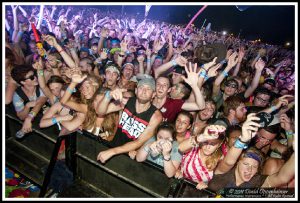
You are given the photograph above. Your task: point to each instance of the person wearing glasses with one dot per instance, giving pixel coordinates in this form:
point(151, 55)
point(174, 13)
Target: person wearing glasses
point(201, 155)
point(28, 98)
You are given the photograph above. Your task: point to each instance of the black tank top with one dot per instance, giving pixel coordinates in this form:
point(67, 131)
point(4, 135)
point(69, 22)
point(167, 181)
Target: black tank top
point(131, 124)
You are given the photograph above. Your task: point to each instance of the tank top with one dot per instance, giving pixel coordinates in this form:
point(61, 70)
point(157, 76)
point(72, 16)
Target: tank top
point(132, 124)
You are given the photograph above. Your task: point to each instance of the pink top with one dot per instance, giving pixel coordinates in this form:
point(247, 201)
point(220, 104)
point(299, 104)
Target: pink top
point(193, 169)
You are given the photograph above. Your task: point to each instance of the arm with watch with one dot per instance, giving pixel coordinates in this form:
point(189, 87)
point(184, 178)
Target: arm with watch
point(249, 129)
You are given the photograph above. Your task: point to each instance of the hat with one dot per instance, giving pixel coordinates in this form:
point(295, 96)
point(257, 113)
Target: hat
point(113, 68)
point(147, 81)
point(179, 69)
point(84, 49)
point(208, 52)
point(270, 81)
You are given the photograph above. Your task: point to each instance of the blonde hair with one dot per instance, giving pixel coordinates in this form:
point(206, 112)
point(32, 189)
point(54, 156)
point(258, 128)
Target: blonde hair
point(213, 160)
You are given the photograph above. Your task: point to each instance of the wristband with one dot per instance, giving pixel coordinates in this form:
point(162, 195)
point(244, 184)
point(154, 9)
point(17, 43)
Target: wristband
point(32, 114)
point(41, 73)
point(146, 149)
point(273, 108)
point(167, 159)
point(71, 91)
point(289, 134)
point(240, 145)
point(206, 78)
point(174, 63)
point(202, 74)
point(54, 121)
point(107, 95)
point(225, 73)
point(148, 60)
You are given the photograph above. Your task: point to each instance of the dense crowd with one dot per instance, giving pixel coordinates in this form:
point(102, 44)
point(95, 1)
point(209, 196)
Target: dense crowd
point(212, 108)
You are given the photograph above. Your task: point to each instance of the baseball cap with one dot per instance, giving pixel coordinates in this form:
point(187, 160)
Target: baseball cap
point(270, 81)
point(147, 81)
point(179, 69)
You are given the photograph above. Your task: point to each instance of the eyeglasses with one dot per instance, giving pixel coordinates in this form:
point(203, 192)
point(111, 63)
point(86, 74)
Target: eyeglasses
point(261, 100)
point(263, 138)
point(231, 85)
point(30, 77)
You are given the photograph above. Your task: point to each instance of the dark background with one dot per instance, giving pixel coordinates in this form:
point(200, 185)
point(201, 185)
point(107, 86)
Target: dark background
point(273, 24)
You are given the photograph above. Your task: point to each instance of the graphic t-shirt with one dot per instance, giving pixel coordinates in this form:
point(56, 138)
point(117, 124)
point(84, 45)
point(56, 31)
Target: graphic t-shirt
point(132, 124)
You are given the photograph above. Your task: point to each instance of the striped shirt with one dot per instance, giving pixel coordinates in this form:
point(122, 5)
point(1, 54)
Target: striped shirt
point(193, 168)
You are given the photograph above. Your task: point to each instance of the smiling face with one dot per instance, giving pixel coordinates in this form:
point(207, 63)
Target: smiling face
point(207, 112)
point(162, 87)
point(87, 90)
point(30, 80)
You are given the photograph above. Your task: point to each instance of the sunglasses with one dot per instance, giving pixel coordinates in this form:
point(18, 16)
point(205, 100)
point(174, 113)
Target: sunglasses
point(30, 77)
point(232, 85)
point(209, 143)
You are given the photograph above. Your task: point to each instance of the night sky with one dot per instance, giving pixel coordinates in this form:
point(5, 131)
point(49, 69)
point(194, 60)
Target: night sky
point(272, 24)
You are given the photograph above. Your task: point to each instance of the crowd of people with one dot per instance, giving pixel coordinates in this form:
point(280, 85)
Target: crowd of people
point(214, 109)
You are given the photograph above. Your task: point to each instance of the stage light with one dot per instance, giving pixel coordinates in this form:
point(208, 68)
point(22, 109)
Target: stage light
point(224, 33)
point(287, 44)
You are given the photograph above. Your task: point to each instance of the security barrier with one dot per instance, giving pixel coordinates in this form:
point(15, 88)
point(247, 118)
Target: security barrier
point(34, 156)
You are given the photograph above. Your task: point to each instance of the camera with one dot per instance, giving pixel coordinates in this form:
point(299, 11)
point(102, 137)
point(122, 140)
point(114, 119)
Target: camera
point(264, 119)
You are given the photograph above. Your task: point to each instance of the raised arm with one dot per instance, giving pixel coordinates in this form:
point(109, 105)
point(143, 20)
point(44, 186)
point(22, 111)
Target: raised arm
point(232, 61)
point(192, 80)
point(52, 42)
point(163, 68)
point(249, 129)
point(259, 66)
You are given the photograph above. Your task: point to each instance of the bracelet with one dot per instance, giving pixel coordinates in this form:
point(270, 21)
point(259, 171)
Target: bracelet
point(107, 95)
point(32, 114)
point(147, 149)
point(225, 73)
point(148, 60)
point(167, 159)
point(71, 91)
point(203, 74)
point(289, 134)
point(41, 72)
point(273, 108)
point(54, 121)
point(174, 63)
point(240, 145)
point(193, 141)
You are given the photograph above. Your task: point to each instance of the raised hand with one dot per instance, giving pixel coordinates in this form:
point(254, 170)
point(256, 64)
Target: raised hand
point(250, 127)
point(50, 40)
point(78, 78)
point(211, 132)
point(117, 94)
point(241, 54)
point(210, 64)
point(38, 65)
point(213, 71)
point(285, 122)
point(283, 101)
point(180, 60)
point(233, 59)
point(124, 45)
point(192, 75)
point(260, 64)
